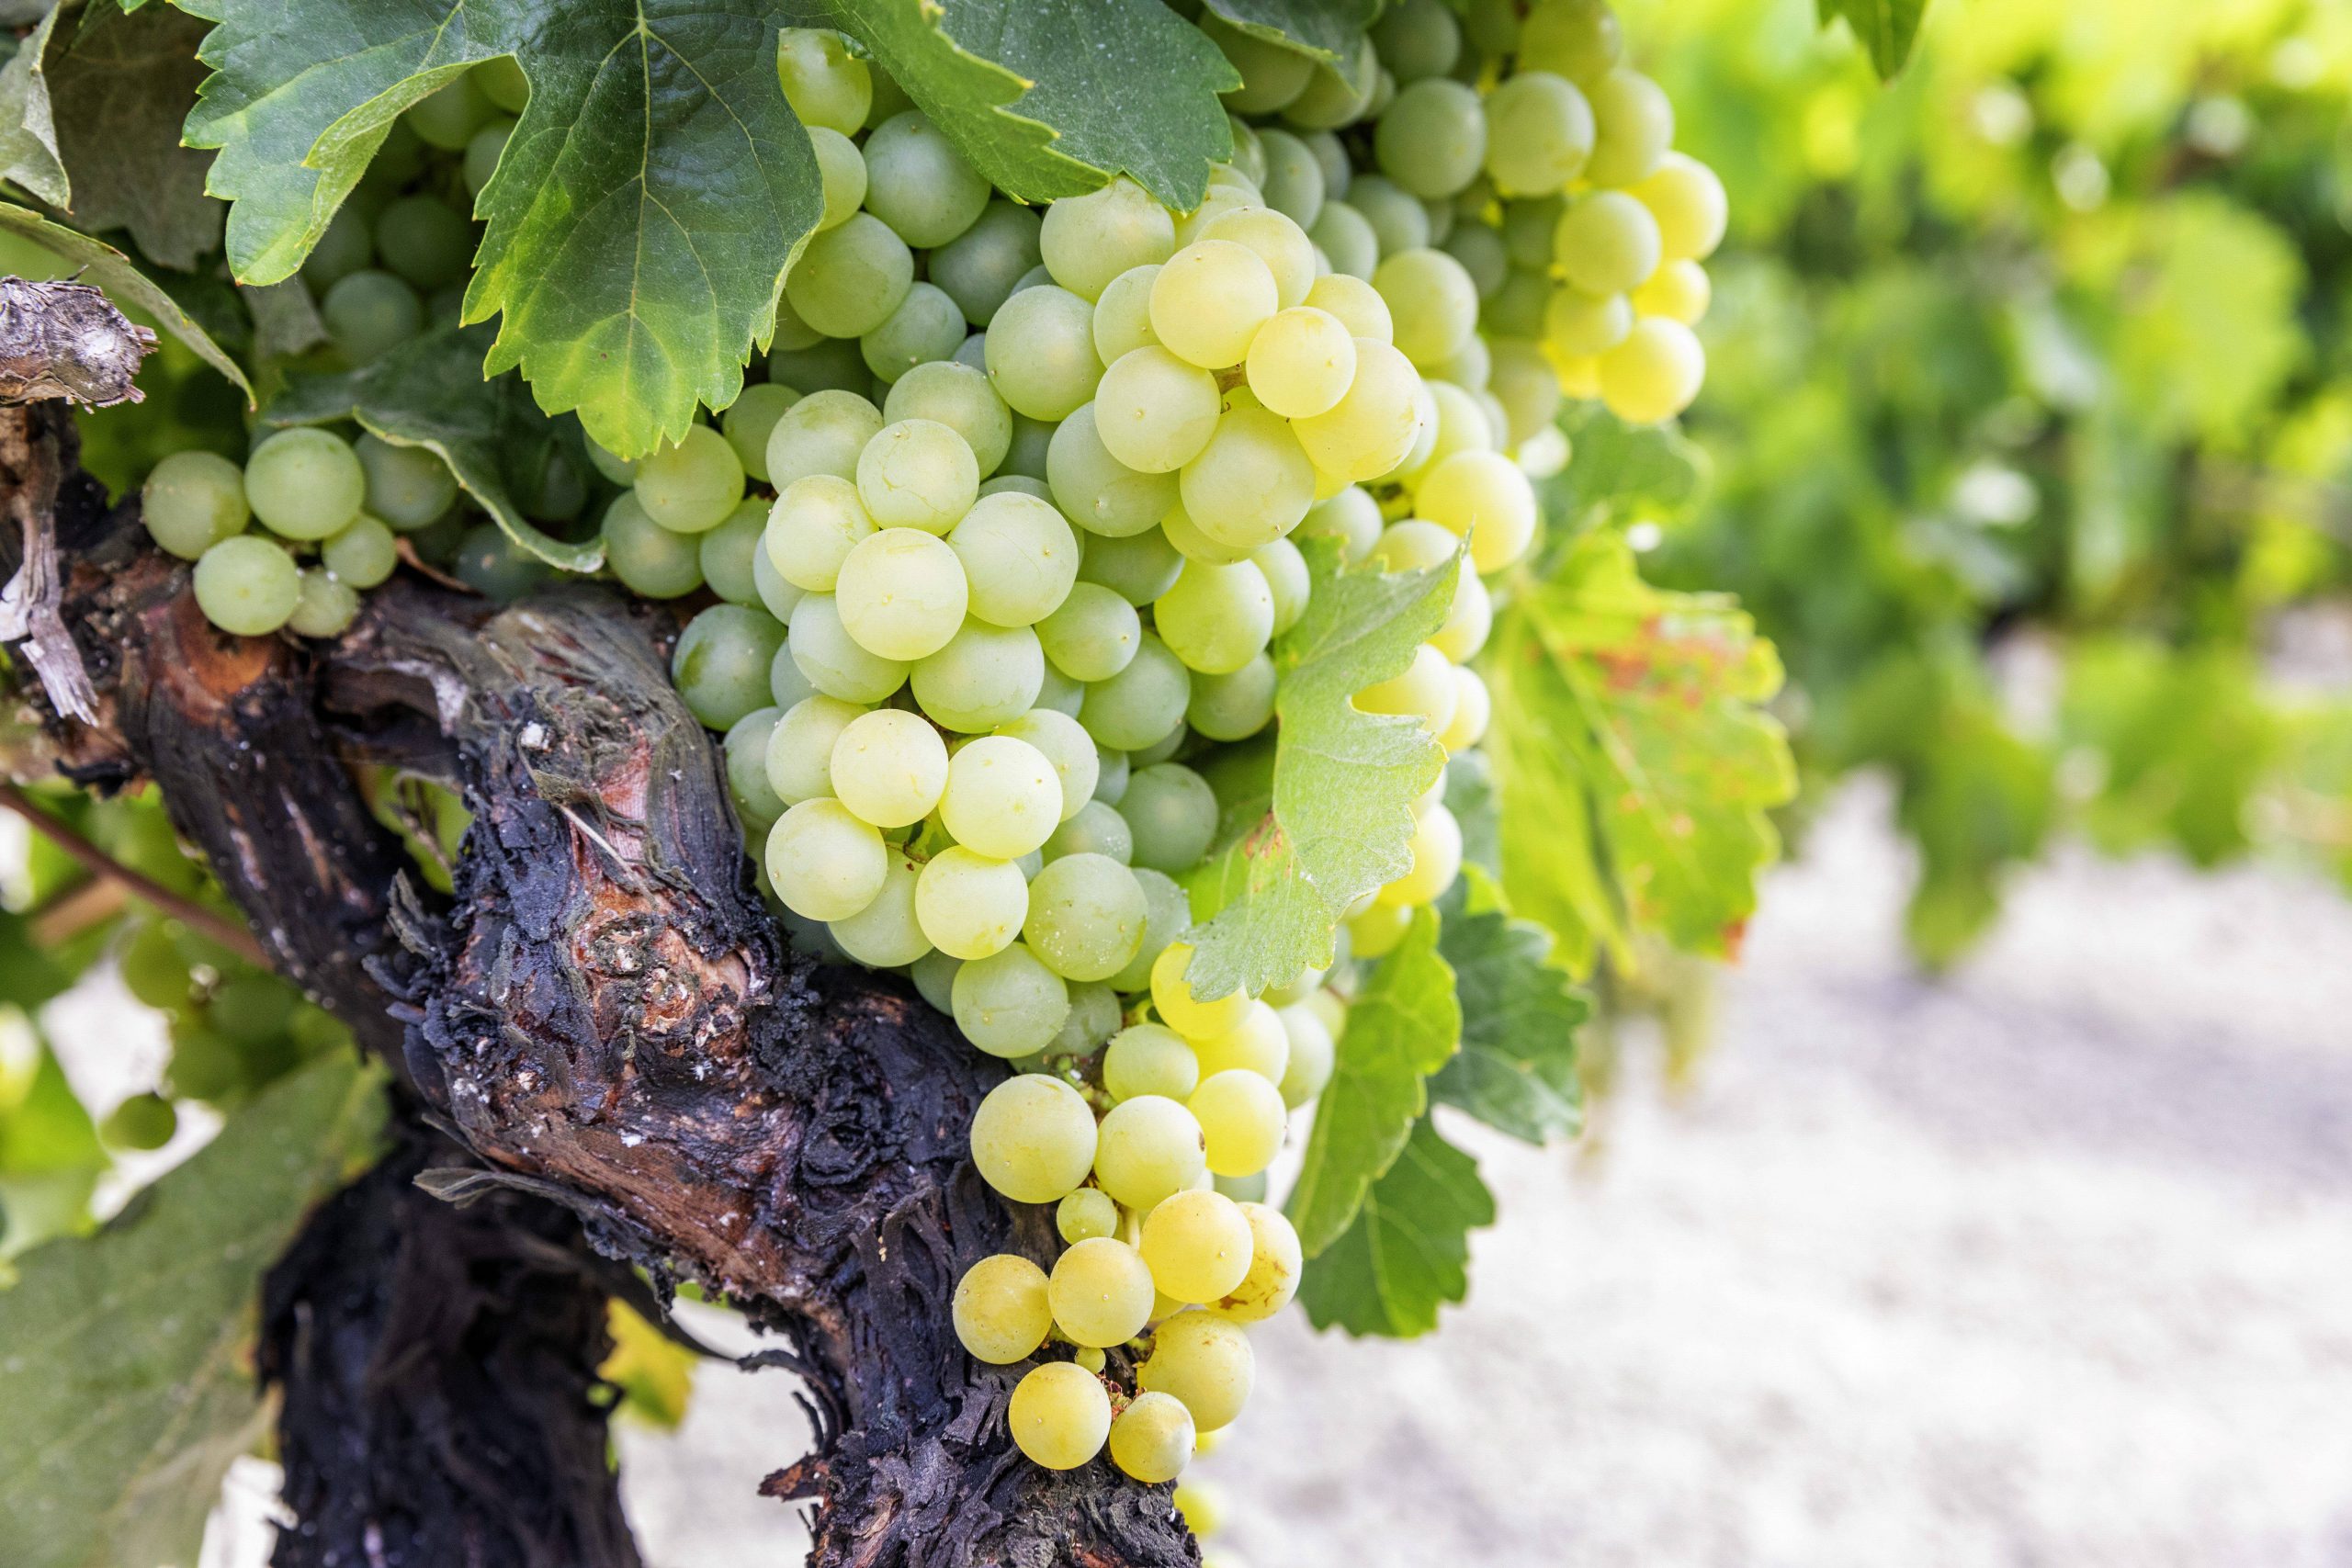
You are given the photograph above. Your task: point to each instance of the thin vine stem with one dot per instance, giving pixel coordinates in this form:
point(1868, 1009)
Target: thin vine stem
point(83, 852)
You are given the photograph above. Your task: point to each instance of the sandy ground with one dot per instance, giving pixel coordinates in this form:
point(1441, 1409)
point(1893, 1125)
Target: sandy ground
point(2050, 1263)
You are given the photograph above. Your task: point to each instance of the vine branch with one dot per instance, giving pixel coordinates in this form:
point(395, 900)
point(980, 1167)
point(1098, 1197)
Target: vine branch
point(227, 933)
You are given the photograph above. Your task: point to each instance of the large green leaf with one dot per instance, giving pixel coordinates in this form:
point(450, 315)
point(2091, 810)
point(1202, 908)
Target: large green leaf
point(1327, 30)
point(1401, 1028)
point(124, 1356)
point(130, 289)
point(429, 392)
point(29, 153)
point(1333, 816)
point(1517, 1067)
point(50, 1154)
point(1886, 28)
point(1408, 1251)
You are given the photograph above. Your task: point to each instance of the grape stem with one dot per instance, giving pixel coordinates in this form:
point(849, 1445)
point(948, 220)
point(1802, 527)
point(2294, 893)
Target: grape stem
point(138, 884)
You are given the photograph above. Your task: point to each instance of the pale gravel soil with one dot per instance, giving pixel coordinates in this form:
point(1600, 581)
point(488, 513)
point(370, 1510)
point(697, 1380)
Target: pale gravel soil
point(2048, 1263)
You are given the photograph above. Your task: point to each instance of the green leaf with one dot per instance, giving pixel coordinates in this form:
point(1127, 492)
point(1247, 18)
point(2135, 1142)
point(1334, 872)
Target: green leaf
point(1334, 815)
point(1408, 1250)
point(1517, 1067)
point(124, 1356)
point(1886, 28)
point(120, 87)
point(29, 153)
point(1624, 473)
point(124, 283)
point(1049, 98)
point(429, 392)
point(50, 1154)
point(1327, 30)
point(1402, 1027)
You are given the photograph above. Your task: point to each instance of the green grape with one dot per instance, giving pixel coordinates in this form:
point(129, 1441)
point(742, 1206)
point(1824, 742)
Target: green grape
point(1467, 622)
point(1216, 618)
point(1276, 1262)
point(1271, 74)
point(1236, 705)
point(1018, 556)
point(1578, 325)
point(344, 249)
point(503, 83)
point(408, 487)
point(1209, 301)
point(1333, 99)
point(322, 607)
point(363, 555)
point(1033, 1138)
point(1123, 314)
point(1461, 425)
point(1148, 1148)
point(247, 585)
point(1486, 497)
point(841, 175)
point(1577, 39)
point(970, 905)
point(1251, 483)
point(1425, 690)
point(1441, 216)
point(984, 677)
point(918, 184)
point(900, 594)
point(648, 559)
point(1374, 933)
point(1540, 134)
point(1331, 155)
point(1223, 197)
point(447, 118)
point(768, 587)
point(1040, 352)
point(1058, 692)
point(1204, 1361)
point(824, 863)
point(192, 500)
point(1307, 1067)
point(1295, 185)
point(1086, 917)
point(1400, 222)
point(423, 242)
point(1473, 711)
point(926, 326)
point(726, 553)
point(305, 483)
point(979, 267)
point(1085, 1214)
point(1160, 749)
point(1516, 308)
point(1196, 1245)
point(152, 969)
point(1152, 1438)
point(1167, 914)
point(369, 312)
point(1196, 545)
point(620, 471)
point(1064, 743)
point(1678, 290)
point(1093, 634)
point(1257, 1044)
point(1347, 239)
point(694, 486)
point(1142, 702)
point(822, 433)
point(1003, 798)
point(1240, 1117)
point(752, 419)
point(824, 82)
point(1436, 848)
point(849, 278)
point(1059, 1415)
point(1301, 362)
point(1525, 384)
point(1093, 1018)
point(720, 665)
point(1031, 437)
point(800, 749)
point(1635, 125)
point(955, 395)
point(1153, 412)
point(1652, 375)
point(1001, 1311)
point(1097, 492)
point(1191, 1016)
point(918, 473)
point(1087, 241)
point(1100, 1292)
point(1352, 517)
point(1607, 243)
point(1149, 1058)
point(1480, 250)
point(146, 1122)
point(1285, 569)
point(1173, 815)
point(1417, 38)
point(888, 767)
point(1095, 829)
point(1371, 429)
point(1138, 569)
point(835, 662)
point(1431, 300)
point(935, 972)
point(823, 365)
point(1009, 1003)
point(1432, 139)
point(745, 752)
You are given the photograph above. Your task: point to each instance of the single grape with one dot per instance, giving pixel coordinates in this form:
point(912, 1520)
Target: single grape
point(1064, 742)
point(1149, 1058)
point(1089, 240)
point(1209, 301)
point(363, 555)
point(1190, 1016)
point(1374, 933)
point(1607, 243)
point(888, 767)
point(1086, 917)
point(1149, 1146)
point(1167, 914)
point(979, 267)
point(408, 487)
point(886, 932)
point(1041, 354)
point(1307, 1065)
point(147, 1122)
point(934, 976)
point(918, 184)
point(800, 749)
point(1154, 413)
point(1019, 557)
point(985, 676)
point(1436, 848)
point(926, 327)
point(1002, 799)
point(968, 905)
point(849, 278)
point(1086, 1213)
point(720, 665)
point(901, 593)
point(1276, 1261)
point(1141, 702)
point(745, 752)
point(1369, 431)
point(1400, 222)
point(1001, 1311)
point(1033, 1138)
point(822, 433)
point(192, 500)
point(1058, 692)
point(812, 528)
point(247, 585)
point(322, 607)
point(1432, 139)
point(1100, 1292)
point(1480, 250)
point(305, 483)
point(694, 486)
point(752, 419)
point(1351, 518)
point(1430, 299)
point(1206, 1361)
point(1097, 492)
point(1251, 483)
point(1216, 618)
point(1173, 815)
point(820, 363)
point(1473, 711)
point(650, 559)
point(1196, 1245)
point(1093, 634)
point(1138, 569)
point(1097, 828)
point(424, 242)
point(835, 662)
point(825, 863)
point(1152, 1438)
point(1281, 244)
point(1240, 1117)
point(1257, 1044)
point(1417, 38)
point(1301, 362)
point(841, 175)
point(1346, 238)
point(1540, 133)
point(1486, 497)
point(342, 249)
point(728, 552)
point(1635, 121)
point(825, 83)
point(960, 397)
point(1059, 1415)
point(1234, 707)
point(1654, 374)
point(1424, 691)
point(1295, 183)
point(1271, 74)
point(1009, 1003)
point(1578, 38)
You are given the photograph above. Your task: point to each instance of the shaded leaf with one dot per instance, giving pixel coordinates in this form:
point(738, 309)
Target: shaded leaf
point(1885, 28)
point(120, 86)
point(1517, 1067)
point(1327, 29)
point(124, 283)
point(1407, 1252)
point(29, 153)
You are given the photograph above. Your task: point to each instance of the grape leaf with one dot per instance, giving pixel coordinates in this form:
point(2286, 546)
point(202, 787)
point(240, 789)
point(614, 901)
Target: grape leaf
point(1624, 473)
point(102, 265)
point(1885, 28)
point(1047, 97)
point(120, 87)
point(1327, 30)
point(1407, 1252)
point(1402, 1027)
point(429, 392)
point(29, 154)
point(1633, 764)
point(124, 1356)
point(1334, 815)
point(1517, 1067)
point(50, 1154)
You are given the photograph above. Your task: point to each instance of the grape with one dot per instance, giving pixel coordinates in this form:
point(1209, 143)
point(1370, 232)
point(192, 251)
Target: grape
point(1059, 1415)
point(1026, 455)
point(247, 585)
point(745, 752)
point(648, 559)
point(305, 483)
point(1652, 375)
point(1400, 222)
point(1033, 1138)
point(1540, 133)
point(1257, 1044)
point(1417, 38)
point(1086, 1213)
point(1485, 496)
point(1376, 932)
point(812, 528)
point(1437, 859)
point(888, 767)
point(322, 607)
point(1167, 914)
point(192, 500)
point(1138, 569)
point(1152, 1438)
point(1216, 618)
point(1578, 38)
point(825, 863)
point(1019, 557)
point(720, 666)
point(1467, 622)
point(1678, 290)
point(1086, 917)
point(1003, 798)
point(918, 183)
point(1188, 1015)
point(1473, 711)
point(1196, 1245)
point(1149, 1058)
point(1096, 490)
point(1347, 239)
point(935, 975)
point(885, 934)
point(1009, 1003)
point(1063, 742)
point(1371, 429)
point(1480, 250)
point(363, 555)
point(1350, 517)
point(1295, 185)
point(1251, 483)
point(926, 327)
point(825, 83)
point(985, 676)
point(694, 486)
point(820, 364)
point(1431, 300)
point(1424, 691)
point(1173, 815)
point(900, 594)
point(493, 564)
point(968, 905)
point(1202, 1507)
point(1160, 749)
point(1276, 1261)
point(1148, 1148)
point(1285, 569)
point(1302, 361)
point(835, 662)
point(146, 1122)
point(1087, 241)
point(1271, 74)
point(422, 241)
point(1432, 139)
point(1141, 702)
point(344, 249)
point(1040, 352)
point(1059, 694)
point(1607, 243)
point(1123, 315)
point(1333, 98)
point(1224, 195)
point(1516, 310)
point(1096, 828)
point(1101, 1292)
point(1234, 707)
point(1093, 635)
point(1307, 1067)
point(1093, 1018)
point(1154, 413)
point(1461, 425)
point(1577, 324)
point(1001, 1311)
point(800, 749)
point(840, 174)
point(1204, 1361)
point(1279, 242)
point(849, 278)
point(728, 552)
point(960, 397)
point(1240, 1115)
point(1635, 121)
point(822, 433)
point(979, 267)
point(1210, 299)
